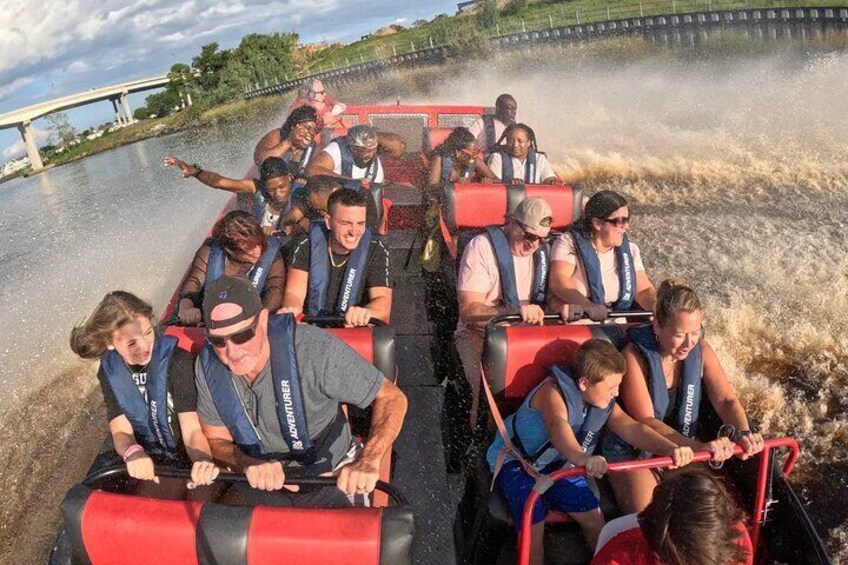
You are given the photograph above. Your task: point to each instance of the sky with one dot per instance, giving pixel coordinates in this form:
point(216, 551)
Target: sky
point(50, 49)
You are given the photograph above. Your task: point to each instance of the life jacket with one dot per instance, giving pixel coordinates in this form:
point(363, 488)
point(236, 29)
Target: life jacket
point(291, 411)
point(506, 270)
point(585, 422)
point(592, 266)
point(298, 170)
point(347, 161)
point(149, 418)
point(260, 203)
point(353, 278)
point(489, 128)
point(447, 168)
point(689, 397)
point(257, 275)
point(507, 171)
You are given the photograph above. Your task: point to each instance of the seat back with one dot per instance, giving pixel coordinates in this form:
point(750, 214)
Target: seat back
point(432, 138)
point(375, 344)
point(118, 528)
point(517, 358)
point(468, 208)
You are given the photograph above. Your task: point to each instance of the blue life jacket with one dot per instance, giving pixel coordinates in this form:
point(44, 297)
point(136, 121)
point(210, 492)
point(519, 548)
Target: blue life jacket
point(447, 167)
point(149, 418)
point(353, 278)
point(586, 422)
point(291, 411)
point(348, 163)
point(260, 203)
point(506, 270)
point(689, 395)
point(257, 275)
point(507, 171)
point(489, 128)
point(592, 266)
point(298, 170)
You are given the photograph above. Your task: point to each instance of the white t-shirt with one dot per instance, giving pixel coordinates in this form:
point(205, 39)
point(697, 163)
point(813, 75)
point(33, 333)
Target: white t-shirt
point(543, 167)
point(335, 154)
point(564, 249)
point(478, 272)
point(478, 130)
point(615, 527)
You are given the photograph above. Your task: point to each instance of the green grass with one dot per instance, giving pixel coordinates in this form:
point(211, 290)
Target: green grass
point(542, 14)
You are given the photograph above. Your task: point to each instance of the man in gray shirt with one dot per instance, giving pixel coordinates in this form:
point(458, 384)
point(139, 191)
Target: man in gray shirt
point(268, 393)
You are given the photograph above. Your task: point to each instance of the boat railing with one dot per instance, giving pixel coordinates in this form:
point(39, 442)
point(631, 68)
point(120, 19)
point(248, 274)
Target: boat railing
point(760, 501)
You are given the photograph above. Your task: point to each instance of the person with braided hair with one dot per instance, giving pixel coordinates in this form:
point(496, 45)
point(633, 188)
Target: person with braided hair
point(517, 160)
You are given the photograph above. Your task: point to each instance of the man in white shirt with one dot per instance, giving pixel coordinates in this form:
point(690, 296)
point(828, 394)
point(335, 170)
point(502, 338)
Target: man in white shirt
point(357, 155)
point(489, 128)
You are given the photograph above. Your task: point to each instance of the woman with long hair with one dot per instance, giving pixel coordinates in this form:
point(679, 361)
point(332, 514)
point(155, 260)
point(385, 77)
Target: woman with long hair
point(238, 247)
point(148, 387)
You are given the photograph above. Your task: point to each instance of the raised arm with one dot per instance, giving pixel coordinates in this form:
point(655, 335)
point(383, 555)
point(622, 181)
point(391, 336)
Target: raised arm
point(322, 164)
point(212, 179)
point(271, 145)
point(391, 144)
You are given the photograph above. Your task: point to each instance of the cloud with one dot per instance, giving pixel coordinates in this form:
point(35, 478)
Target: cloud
point(18, 149)
point(14, 86)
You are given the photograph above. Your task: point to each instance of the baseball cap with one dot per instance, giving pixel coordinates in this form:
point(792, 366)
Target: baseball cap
point(535, 215)
point(230, 290)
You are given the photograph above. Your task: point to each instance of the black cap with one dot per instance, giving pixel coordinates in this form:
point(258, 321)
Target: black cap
point(230, 290)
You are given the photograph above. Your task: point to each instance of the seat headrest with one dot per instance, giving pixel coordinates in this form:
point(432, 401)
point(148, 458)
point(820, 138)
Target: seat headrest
point(517, 358)
point(375, 344)
point(474, 206)
point(433, 137)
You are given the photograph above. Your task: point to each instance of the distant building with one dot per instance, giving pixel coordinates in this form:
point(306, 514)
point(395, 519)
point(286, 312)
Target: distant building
point(13, 166)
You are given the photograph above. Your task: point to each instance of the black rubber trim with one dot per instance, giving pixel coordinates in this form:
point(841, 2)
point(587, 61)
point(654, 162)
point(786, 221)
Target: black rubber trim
point(449, 206)
point(494, 358)
point(609, 332)
point(73, 507)
point(396, 533)
point(222, 534)
point(515, 193)
point(577, 206)
point(383, 344)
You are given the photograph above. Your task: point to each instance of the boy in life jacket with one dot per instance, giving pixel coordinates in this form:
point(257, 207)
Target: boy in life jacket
point(266, 198)
point(340, 267)
point(559, 424)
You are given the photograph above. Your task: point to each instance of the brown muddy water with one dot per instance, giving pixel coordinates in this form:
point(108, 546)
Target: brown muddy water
point(734, 158)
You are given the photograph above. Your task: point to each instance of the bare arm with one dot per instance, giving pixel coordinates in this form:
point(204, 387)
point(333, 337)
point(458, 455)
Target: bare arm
point(474, 311)
point(272, 291)
point(562, 287)
point(212, 179)
point(380, 302)
point(721, 394)
point(391, 144)
point(271, 145)
point(550, 402)
point(388, 412)
point(122, 434)
point(196, 444)
point(645, 438)
point(322, 164)
point(646, 294)
point(294, 298)
point(224, 451)
point(434, 170)
point(484, 173)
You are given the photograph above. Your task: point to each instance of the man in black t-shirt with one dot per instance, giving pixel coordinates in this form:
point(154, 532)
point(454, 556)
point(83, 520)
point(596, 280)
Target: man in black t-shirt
point(340, 267)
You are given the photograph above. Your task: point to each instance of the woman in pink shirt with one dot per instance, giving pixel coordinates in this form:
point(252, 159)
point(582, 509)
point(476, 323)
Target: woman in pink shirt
point(594, 265)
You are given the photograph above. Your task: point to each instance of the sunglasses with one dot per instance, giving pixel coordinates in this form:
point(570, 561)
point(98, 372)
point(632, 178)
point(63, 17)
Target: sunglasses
point(238, 338)
point(531, 238)
point(618, 222)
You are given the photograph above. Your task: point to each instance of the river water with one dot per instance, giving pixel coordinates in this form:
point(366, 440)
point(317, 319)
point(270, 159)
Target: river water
point(735, 165)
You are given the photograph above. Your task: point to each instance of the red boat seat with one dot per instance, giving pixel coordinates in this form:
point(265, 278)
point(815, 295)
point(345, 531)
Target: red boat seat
point(107, 528)
point(468, 208)
point(376, 344)
point(432, 138)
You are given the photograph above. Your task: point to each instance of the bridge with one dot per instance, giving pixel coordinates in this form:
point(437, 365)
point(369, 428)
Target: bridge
point(117, 94)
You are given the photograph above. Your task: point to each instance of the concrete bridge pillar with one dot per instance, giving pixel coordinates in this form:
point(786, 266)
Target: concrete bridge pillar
point(119, 119)
point(125, 104)
point(32, 149)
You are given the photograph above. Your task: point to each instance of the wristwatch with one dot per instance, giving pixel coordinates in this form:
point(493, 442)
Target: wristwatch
point(742, 433)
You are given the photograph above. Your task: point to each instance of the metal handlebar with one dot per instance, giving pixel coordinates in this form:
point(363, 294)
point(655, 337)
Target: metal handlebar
point(337, 321)
point(500, 319)
point(294, 476)
point(653, 463)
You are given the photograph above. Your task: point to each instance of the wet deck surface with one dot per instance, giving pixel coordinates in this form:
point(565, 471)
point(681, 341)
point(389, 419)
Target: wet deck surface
point(420, 471)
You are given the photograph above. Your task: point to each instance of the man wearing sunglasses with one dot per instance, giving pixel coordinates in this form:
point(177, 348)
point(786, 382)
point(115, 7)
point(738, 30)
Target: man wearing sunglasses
point(502, 271)
point(270, 395)
point(340, 267)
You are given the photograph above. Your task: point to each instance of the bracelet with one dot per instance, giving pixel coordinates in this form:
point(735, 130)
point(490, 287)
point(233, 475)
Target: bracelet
point(134, 448)
point(197, 170)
